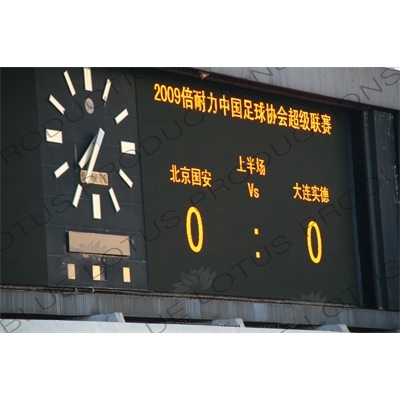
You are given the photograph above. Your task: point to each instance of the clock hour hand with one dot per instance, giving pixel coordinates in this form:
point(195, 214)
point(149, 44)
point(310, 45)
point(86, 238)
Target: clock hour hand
point(92, 152)
point(96, 148)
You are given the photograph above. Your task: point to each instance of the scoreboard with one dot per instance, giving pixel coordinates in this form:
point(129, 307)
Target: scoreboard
point(171, 181)
point(246, 192)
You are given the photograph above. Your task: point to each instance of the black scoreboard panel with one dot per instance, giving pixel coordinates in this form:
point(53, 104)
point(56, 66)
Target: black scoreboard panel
point(246, 193)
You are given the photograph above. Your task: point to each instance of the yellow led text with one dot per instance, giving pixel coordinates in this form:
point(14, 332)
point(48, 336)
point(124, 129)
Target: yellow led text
point(311, 193)
point(313, 226)
point(256, 232)
point(194, 247)
point(252, 165)
point(253, 191)
point(244, 109)
point(190, 176)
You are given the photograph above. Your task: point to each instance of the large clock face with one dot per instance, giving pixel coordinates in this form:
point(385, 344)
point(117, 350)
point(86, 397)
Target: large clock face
point(91, 177)
point(92, 174)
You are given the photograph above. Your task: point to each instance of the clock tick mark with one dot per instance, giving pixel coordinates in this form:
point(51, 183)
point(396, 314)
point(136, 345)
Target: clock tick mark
point(54, 136)
point(114, 199)
point(69, 83)
point(60, 170)
point(87, 76)
point(121, 116)
point(126, 178)
point(77, 195)
point(56, 104)
point(128, 148)
point(96, 206)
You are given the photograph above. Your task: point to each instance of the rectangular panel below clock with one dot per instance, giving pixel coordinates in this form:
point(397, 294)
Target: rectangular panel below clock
point(98, 243)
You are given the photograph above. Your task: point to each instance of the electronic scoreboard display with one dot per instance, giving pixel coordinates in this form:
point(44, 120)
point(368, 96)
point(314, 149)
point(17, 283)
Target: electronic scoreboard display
point(246, 193)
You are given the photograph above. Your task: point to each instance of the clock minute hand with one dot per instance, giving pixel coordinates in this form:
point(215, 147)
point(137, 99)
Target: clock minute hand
point(88, 153)
point(95, 152)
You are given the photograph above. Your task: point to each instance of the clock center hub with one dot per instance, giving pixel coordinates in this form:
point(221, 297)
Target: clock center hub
point(95, 178)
